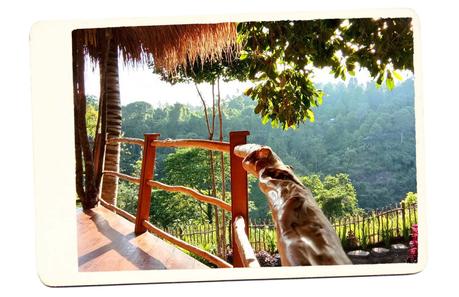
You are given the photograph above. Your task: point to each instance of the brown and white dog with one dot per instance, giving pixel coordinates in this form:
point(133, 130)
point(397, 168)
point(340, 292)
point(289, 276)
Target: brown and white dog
point(304, 234)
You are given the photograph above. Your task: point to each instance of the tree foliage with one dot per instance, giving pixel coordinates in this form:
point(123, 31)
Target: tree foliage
point(410, 198)
point(365, 132)
point(335, 195)
point(189, 168)
point(91, 116)
point(279, 57)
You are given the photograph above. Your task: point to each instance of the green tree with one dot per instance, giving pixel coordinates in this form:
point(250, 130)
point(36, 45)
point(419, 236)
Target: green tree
point(189, 168)
point(280, 57)
point(410, 198)
point(335, 195)
point(380, 162)
point(91, 116)
point(209, 72)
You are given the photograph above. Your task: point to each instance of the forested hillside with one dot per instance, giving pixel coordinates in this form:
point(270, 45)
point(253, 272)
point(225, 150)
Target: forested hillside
point(361, 131)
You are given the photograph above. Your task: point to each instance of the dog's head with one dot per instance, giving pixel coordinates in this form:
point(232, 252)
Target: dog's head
point(262, 162)
point(257, 158)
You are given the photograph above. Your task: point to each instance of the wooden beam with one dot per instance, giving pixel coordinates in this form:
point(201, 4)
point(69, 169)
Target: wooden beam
point(195, 143)
point(127, 140)
point(195, 250)
point(239, 192)
point(192, 192)
point(242, 242)
point(147, 173)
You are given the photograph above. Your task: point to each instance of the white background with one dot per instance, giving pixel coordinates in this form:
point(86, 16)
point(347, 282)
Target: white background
point(439, 44)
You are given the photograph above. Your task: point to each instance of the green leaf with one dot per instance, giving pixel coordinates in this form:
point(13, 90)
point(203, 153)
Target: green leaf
point(320, 98)
point(243, 55)
point(397, 75)
point(390, 81)
point(265, 119)
point(310, 114)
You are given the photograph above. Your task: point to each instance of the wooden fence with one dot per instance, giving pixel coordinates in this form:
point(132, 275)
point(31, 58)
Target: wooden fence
point(243, 255)
point(380, 226)
point(376, 227)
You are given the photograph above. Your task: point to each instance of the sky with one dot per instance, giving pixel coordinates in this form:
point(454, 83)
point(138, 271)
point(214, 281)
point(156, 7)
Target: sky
point(141, 84)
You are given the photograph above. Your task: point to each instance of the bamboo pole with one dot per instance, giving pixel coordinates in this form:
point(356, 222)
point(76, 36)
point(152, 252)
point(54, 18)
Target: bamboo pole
point(257, 236)
point(403, 218)
point(397, 218)
point(379, 222)
point(363, 228)
point(409, 215)
point(222, 165)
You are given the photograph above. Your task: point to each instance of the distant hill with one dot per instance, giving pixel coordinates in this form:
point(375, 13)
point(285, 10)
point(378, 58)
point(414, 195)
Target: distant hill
point(365, 132)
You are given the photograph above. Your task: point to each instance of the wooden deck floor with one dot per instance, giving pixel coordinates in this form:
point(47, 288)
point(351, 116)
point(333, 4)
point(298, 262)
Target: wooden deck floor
point(106, 242)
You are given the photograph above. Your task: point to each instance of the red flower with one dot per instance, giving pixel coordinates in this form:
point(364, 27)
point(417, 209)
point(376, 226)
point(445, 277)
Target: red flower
point(413, 250)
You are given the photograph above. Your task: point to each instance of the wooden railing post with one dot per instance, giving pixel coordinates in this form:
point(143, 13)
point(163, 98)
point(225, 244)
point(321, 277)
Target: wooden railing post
point(239, 191)
point(146, 174)
point(404, 231)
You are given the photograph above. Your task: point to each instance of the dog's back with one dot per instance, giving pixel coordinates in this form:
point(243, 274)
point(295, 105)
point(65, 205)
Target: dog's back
point(305, 236)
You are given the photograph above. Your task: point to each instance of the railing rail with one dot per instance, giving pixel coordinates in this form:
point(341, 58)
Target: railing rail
point(126, 140)
point(197, 251)
point(242, 241)
point(191, 192)
point(243, 255)
point(118, 210)
point(122, 176)
point(194, 143)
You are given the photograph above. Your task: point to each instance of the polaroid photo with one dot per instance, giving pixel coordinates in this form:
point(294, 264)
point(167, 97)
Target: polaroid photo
point(228, 147)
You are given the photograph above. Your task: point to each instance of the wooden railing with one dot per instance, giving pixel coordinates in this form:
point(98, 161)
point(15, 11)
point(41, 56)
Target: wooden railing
point(243, 255)
point(243, 244)
point(378, 225)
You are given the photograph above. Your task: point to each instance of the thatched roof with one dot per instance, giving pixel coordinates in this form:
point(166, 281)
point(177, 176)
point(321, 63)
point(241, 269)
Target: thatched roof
point(168, 46)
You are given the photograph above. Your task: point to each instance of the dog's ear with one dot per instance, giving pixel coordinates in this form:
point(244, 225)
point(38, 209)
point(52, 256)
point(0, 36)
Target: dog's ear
point(264, 153)
point(259, 154)
point(257, 160)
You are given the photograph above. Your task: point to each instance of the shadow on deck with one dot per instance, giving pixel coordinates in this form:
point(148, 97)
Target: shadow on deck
point(106, 242)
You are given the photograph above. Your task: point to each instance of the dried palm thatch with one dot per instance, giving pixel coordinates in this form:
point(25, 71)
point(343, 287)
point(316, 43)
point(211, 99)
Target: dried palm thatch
point(167, 47)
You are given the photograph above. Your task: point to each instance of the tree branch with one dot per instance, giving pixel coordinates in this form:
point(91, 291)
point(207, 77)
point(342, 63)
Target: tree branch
point(205, 108)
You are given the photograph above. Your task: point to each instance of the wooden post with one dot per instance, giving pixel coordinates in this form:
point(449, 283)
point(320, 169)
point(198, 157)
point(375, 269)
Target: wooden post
point(396, 220)
point(146, 173)
point(404, 233)
point(409, 215)
point(239, 191)
point(363, 231)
